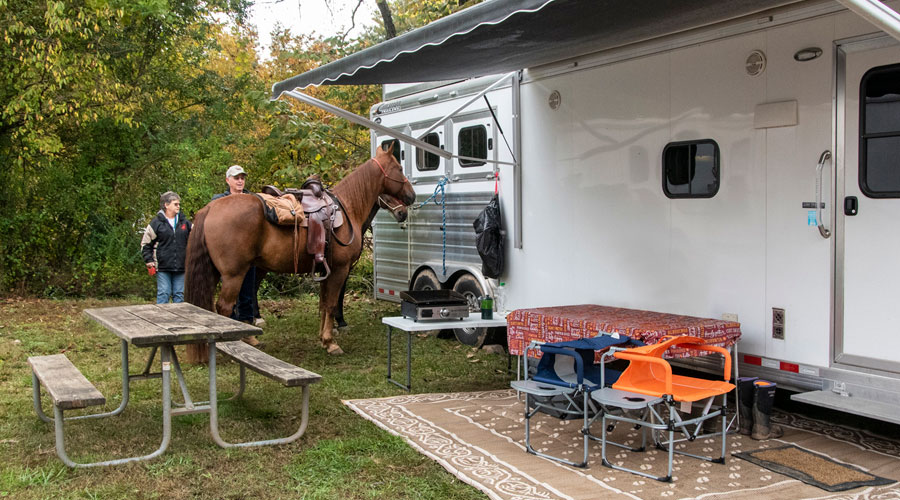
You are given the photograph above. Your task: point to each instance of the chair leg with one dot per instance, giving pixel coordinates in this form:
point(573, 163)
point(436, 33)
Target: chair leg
point(530, 449)
point(645, 425)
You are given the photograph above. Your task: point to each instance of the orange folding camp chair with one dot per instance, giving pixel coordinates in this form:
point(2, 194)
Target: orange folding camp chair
point(649, 374)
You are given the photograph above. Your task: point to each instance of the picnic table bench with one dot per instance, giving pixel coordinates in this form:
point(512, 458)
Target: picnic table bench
point(289, 375)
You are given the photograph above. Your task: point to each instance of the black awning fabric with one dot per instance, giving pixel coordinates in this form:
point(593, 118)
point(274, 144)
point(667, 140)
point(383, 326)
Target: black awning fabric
point(499, 36)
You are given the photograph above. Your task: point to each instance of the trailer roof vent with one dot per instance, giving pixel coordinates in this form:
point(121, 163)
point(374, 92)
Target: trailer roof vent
point(756, 63)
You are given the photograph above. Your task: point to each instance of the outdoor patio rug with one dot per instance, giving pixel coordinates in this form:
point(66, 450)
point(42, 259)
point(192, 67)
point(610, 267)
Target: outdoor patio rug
point(479, 437)
point(812, 468)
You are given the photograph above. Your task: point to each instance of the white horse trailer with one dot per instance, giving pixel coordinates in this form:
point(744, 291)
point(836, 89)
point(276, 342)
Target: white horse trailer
point(740, 160)
point(435, 247)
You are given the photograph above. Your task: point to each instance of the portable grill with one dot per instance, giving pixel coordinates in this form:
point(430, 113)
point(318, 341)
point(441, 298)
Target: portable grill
point(433, 305)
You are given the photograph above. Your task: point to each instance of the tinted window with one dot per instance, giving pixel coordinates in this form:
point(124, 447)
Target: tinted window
point(879, 132)
point(397, 147)
point(474, 144)
point(691, 169)
point(428, 161)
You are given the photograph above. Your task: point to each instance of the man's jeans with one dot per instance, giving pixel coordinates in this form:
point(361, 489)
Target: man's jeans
point(169, 285)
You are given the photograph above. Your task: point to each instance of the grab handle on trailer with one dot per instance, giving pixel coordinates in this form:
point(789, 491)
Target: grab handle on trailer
point(825, 156)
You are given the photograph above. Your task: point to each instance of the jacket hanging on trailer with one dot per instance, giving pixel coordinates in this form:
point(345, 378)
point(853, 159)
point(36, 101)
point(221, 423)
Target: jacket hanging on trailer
point(488, 239)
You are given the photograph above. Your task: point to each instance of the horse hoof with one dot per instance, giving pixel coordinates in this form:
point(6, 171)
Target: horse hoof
point(335, 350)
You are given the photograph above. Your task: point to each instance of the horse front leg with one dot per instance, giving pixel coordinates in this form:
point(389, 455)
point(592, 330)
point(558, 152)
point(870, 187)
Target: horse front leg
point(328, 298)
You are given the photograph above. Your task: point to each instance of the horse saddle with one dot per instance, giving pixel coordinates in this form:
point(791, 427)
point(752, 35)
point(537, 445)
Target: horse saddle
point(321, 216)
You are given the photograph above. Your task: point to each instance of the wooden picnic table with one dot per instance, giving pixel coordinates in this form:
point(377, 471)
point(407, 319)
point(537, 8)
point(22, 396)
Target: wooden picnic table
point(161, 327)
point(150, 325)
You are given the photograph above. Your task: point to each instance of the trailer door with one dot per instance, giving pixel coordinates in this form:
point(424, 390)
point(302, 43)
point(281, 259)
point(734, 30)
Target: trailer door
point(867, 216)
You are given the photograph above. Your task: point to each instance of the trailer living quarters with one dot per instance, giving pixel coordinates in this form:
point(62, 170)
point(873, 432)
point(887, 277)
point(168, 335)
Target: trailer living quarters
point(735, 159)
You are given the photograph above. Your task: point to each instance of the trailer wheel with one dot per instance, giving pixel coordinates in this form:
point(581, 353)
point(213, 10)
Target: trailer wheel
point(426, 280)
point(471, 289)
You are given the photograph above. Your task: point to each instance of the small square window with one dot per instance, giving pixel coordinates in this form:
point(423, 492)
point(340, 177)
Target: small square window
point(426, 161)
point(691, 169)
point(473, 143)
point(397, 147)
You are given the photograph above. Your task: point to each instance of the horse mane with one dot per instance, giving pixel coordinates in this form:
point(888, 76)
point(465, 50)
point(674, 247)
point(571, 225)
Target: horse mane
point(356, 186)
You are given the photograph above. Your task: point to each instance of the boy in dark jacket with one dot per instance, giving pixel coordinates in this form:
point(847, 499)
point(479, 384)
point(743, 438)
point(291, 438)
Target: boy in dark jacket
point(164, 246)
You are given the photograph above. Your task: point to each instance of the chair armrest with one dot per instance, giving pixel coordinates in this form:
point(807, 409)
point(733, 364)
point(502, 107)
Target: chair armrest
point(579, 364)
point(714, 348)
point(641, 358)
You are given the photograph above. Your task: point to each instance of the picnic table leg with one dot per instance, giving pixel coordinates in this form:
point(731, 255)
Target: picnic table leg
point(188, 402)
point(167, 424)
point(36, 394)
point(214, 411)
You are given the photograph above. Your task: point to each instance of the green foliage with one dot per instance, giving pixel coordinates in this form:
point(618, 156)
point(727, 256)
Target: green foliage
point(106, 104)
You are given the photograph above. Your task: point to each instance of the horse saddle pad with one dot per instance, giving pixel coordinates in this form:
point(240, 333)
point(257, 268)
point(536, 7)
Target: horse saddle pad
point(285, 211)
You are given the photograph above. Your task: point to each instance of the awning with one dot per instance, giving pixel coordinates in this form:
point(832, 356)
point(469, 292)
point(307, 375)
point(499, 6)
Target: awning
point(499, 36)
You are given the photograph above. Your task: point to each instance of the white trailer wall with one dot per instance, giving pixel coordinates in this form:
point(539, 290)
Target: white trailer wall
point(599, 228)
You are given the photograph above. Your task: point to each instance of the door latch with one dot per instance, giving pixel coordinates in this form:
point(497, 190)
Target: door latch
point(851, 205)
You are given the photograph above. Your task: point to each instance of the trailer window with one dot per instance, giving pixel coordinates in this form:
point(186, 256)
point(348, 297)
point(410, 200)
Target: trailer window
point(473, 143)
point(426, 161)
point(691, 169)
point(879, 132)
point(397, 147)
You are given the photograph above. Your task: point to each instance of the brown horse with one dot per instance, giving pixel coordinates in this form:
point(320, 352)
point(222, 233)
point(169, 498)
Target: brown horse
point(231, 234)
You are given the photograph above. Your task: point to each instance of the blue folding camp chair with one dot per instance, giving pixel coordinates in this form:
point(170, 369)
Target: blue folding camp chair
point(566, 377)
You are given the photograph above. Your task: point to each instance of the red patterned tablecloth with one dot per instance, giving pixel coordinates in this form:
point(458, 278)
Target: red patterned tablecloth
point(557, 324)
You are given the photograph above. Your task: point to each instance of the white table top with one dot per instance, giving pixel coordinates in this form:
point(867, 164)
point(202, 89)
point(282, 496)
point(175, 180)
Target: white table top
point(473, 321)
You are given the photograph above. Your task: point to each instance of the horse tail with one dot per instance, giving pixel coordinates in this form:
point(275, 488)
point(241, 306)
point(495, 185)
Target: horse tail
point(201, 275)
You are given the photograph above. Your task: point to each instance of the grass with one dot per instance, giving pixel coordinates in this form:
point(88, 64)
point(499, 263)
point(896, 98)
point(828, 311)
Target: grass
point(340, 456)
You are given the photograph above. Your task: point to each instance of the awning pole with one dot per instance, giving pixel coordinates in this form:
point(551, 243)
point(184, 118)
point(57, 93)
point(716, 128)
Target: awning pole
point(466, 104)
point(365, 122)
point(877, 13)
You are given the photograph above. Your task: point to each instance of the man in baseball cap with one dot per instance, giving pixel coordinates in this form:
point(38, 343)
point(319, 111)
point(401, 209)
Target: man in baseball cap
point(247, 308)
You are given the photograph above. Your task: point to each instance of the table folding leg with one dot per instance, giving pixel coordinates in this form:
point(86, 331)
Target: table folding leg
point(408, 359)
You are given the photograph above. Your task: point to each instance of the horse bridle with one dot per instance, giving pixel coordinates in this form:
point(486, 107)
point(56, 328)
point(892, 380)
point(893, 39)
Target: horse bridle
point(384, 204)
point(383, 171)
point(341, 205)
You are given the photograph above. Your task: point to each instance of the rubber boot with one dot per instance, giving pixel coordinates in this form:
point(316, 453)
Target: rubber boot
point(763, 401)
point(745, 389)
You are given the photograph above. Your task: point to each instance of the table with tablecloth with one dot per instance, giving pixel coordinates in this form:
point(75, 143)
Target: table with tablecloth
point(561, 323)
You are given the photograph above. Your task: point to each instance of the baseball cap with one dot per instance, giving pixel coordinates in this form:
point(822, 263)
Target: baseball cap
point(234, 171)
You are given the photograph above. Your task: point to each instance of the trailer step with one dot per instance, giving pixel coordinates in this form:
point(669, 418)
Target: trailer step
point(850, 404)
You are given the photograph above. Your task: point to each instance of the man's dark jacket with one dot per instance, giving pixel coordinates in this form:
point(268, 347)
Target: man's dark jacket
point(226, 193)
point(171, 245)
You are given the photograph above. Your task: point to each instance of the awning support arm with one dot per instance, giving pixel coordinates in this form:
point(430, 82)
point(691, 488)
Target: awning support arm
point(467, 103)
point(365, 122)
point(877, 13)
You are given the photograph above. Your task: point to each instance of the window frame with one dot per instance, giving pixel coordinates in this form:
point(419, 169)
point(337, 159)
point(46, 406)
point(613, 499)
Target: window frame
point(467, 164)
point(717, 166)
point(437, 136)
point(862, 137)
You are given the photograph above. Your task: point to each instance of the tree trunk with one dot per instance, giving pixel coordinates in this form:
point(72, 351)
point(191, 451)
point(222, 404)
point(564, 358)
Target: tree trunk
point(388, 19)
